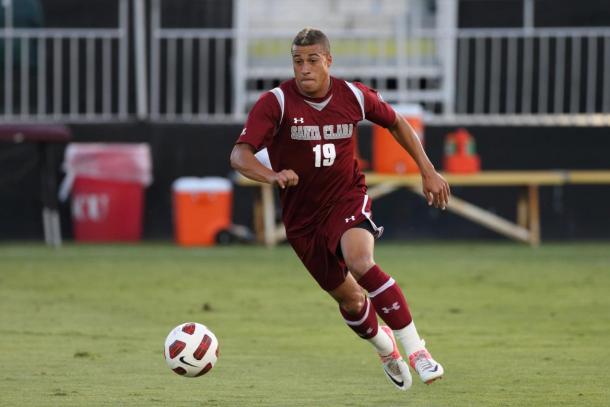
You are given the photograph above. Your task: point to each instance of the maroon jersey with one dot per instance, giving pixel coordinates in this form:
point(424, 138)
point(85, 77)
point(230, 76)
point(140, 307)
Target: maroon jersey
point(315, 138)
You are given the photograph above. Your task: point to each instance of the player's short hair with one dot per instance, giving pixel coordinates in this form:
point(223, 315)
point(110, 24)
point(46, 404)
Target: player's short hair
point(311, 36)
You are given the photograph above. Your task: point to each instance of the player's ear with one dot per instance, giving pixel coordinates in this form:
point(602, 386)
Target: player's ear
point(329, 59)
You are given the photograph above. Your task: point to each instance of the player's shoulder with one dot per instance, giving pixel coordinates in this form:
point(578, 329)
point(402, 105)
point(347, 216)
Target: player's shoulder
point(355, 88)
point(279, 94)
point(343, 83)
point(367, 95)
point(352, 91)
point(271, 98)
point(269, 106)
point(363, 88)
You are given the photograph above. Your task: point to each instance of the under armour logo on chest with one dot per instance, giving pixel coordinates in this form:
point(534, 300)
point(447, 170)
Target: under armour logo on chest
point(394, 307)
point(298, 120)
point(352, 218)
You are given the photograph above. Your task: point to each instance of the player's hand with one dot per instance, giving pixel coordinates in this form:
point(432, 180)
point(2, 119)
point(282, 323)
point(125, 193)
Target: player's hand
point(286, 178)
point(436, 190)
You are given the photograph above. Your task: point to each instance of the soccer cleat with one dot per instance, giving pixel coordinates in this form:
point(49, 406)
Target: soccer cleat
point(428, 369)
point(394, 365)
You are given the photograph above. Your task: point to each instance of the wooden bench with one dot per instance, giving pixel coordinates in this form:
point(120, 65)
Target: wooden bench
point(526, 228)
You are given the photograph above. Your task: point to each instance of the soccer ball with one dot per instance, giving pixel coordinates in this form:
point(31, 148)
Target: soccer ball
point(191, 349)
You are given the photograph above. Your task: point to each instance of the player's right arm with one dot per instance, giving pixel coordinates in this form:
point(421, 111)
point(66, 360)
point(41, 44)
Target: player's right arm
point(263, 120)
point(244, 161)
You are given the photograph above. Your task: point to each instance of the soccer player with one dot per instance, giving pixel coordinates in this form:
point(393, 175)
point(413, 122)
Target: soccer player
point(308, 125)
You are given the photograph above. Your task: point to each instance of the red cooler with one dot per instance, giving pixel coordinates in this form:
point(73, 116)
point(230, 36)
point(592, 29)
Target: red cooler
point(108, 183)
point(107, 210)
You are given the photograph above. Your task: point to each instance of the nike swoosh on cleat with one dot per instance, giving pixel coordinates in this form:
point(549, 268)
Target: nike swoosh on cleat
point(185, 362)
point(435, 368)
point(396, 382)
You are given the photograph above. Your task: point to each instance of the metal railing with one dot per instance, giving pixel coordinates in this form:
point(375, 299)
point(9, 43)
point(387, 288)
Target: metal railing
point(190, 72)
point(65, 74)
point(524, 76)
point(533, 76)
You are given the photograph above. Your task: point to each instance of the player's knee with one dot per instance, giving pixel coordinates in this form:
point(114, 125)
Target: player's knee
point(353, 303)
point(358, 265)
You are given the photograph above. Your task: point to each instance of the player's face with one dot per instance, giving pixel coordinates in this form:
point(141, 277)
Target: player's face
point(311, 65)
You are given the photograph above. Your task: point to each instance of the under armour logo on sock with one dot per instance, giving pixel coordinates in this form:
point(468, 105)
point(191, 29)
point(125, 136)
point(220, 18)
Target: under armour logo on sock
point(352, 218)
point(394, 307)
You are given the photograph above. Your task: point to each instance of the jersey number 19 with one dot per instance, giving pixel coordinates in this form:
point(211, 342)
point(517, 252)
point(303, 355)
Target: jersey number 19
point(326, 151)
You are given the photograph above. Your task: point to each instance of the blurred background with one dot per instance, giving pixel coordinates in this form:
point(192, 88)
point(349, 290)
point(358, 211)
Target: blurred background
point(172, 82)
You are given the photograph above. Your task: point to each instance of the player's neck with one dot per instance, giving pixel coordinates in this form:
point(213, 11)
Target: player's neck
point(323, 91)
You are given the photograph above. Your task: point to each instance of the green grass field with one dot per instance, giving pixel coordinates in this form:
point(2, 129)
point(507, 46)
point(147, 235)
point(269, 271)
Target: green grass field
point(513, 326)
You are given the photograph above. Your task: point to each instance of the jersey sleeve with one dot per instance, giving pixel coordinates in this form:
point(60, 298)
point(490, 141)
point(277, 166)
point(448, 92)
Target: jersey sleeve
point(375, 108)
point(262, 123)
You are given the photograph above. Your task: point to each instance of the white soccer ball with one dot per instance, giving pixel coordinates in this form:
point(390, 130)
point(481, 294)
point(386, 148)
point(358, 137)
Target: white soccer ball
point(191, 349)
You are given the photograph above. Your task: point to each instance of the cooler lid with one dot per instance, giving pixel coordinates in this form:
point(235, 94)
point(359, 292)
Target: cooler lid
point(202, 184)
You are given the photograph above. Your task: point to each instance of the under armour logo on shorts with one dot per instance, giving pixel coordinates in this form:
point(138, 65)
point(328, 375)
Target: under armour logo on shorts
point(352, 218)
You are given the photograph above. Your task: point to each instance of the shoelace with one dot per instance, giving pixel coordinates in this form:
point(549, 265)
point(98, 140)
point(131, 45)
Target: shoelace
point(422, 362)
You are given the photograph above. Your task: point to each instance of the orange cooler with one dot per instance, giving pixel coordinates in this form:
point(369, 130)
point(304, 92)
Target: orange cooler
point(388, 156)
point(202, 207)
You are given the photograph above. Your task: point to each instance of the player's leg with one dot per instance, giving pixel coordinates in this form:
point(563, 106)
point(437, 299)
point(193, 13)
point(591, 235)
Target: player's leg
point(330, 273)
point(357, 246)
point(360, 316)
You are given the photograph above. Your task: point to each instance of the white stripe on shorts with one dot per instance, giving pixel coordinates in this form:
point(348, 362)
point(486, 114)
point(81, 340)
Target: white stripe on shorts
point(378, 229)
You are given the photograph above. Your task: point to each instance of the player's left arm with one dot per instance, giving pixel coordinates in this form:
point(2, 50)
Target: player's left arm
point(435, 187)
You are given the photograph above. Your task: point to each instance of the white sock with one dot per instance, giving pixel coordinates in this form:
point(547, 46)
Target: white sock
point(409, 338)
point(382, 342)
